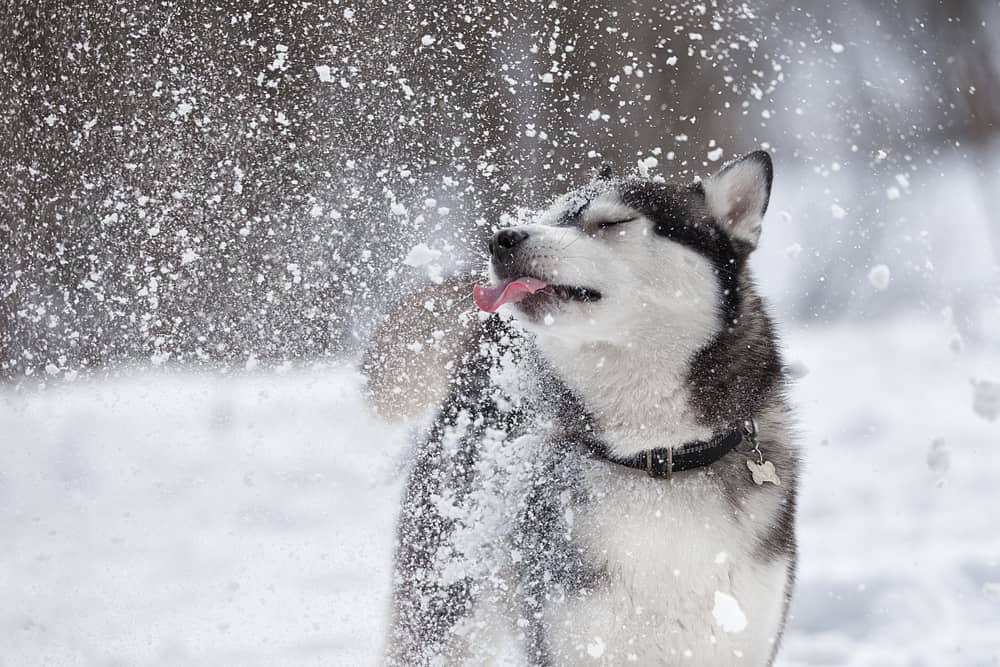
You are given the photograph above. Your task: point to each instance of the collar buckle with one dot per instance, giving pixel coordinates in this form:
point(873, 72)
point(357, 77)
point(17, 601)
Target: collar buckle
point(749, 431)
point(660, 462)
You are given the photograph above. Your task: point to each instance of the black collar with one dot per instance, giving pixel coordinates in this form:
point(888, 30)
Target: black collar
point(664, 461)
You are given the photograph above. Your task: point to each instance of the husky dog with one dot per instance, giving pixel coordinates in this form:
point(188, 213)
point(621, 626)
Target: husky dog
point(612, 475)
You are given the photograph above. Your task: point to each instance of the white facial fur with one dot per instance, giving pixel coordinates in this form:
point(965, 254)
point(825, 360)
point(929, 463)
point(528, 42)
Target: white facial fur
point(627, 355)
point(651, 287)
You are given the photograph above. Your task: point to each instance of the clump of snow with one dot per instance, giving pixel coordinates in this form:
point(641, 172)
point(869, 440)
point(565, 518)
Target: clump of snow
point(595, 649)
point(646, 164)
point(879, 276)
point(728, 614)
point(938, 457)
point(715, 154)
point(427, 40)
point(837, 212)
point(836, 47)
point(324, 73)
point(793, 251)
point(188, 256)
point(986, 399)
point(420, 255)
point(796, 369)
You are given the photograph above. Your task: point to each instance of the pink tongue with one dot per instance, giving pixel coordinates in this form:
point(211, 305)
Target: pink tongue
point(492, 297)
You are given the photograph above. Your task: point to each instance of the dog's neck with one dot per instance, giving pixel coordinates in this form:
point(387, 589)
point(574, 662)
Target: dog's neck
point(637, 394)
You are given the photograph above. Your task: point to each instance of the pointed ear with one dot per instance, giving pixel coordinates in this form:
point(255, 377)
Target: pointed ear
point(737, 195)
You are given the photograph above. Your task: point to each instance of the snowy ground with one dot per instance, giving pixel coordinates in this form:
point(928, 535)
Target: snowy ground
point(180, 519)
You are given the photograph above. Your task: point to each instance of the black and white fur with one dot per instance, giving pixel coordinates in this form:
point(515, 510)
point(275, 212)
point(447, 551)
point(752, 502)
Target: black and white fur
point(515, 536)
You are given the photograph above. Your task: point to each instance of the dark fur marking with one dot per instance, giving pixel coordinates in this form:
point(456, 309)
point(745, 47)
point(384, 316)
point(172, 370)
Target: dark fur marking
point(680, 214)
point(739, 371)
point(779, 540)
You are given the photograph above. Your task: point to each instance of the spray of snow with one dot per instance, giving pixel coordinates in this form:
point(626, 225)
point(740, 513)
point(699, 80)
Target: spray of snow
point(420, 255)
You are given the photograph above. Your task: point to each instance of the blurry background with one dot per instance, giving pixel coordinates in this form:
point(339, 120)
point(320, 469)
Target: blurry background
point(241, 185)
point(193, 182)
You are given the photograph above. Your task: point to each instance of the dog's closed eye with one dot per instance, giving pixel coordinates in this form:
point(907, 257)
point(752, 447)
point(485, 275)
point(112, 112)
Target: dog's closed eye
point(605, 224)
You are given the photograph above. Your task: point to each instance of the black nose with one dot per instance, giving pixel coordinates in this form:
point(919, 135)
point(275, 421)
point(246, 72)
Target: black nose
point(504, 241)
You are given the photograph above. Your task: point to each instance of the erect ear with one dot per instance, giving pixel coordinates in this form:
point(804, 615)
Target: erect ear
point(737, 195)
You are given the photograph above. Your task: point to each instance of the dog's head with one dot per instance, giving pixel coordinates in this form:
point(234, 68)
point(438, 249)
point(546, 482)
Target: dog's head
point(617, 260)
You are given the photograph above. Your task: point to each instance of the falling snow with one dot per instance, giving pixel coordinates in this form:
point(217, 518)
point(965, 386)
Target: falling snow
point(206, 211)
point(325, 74)
point(878, 276)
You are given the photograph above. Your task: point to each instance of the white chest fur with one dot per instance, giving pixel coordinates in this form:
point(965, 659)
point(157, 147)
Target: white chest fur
point(639, 401)
point(681, 584)
point(682, 580)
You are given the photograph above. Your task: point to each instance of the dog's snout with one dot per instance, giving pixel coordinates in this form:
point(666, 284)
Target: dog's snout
point(504, 241)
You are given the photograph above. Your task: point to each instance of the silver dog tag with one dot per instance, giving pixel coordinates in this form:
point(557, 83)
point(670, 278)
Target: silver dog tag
point(763, 472)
